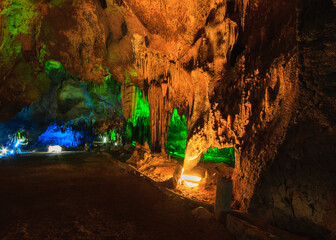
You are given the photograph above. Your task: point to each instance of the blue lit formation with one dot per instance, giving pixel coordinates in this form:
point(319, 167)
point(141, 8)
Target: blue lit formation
point(56, 135)
point(17, 143)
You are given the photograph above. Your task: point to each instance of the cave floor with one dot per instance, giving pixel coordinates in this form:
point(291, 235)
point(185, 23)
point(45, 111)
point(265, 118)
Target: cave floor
point(89, 196)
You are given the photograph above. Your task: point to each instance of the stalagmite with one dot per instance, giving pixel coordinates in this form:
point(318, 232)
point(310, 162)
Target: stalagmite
point(253, 76)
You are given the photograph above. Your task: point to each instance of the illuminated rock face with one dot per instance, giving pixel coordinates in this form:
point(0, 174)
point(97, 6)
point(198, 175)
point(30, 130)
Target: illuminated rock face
point(254, 75)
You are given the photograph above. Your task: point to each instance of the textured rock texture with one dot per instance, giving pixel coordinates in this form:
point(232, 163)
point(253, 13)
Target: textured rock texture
point(257, 75)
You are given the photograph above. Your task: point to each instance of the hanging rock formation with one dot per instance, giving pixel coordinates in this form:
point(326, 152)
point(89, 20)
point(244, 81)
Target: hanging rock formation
point(255, 75)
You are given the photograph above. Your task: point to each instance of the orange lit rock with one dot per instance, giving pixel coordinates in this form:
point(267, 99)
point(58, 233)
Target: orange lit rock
point(254, 75)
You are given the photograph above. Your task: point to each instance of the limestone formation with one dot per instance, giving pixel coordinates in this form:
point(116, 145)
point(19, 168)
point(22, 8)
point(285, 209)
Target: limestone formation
point(255, 75)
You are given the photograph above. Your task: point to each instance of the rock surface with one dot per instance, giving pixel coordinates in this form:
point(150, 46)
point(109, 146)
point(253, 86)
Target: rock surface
point(202, 213)
point(223, 198)
point(255, 75)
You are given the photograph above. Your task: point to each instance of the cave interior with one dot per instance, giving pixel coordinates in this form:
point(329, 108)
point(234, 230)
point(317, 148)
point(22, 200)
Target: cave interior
point(228, 104)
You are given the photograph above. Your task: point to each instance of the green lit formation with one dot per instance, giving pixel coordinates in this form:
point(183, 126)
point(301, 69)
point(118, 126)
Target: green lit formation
point(113, 135)
point(141, 113)
point(109, 88)
point(177, 135)
point(52, 65)
point(138, 128)
point(141, 119)
point(177, 142)
point(226, 155)
point(18, 16)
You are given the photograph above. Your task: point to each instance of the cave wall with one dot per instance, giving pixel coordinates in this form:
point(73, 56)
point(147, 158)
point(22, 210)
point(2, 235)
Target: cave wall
point(86, 38)
point(297, 189)
point(258, 76)
point(255, 75)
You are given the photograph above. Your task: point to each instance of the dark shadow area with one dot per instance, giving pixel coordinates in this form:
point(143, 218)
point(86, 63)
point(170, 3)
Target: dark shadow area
point(103, 3)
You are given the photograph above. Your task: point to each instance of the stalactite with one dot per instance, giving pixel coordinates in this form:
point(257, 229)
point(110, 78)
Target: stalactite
point(128, 100)
point(159, 118)
point(241, 6)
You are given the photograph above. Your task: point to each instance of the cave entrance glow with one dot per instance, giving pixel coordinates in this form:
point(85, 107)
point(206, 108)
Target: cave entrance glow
point(177, 135)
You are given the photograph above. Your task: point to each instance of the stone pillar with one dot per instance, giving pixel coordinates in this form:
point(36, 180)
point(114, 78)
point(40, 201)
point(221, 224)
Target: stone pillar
point(159, 116)
point(223, 198)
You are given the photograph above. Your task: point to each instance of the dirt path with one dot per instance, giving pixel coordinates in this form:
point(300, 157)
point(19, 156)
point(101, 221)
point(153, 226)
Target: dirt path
point(87, 196)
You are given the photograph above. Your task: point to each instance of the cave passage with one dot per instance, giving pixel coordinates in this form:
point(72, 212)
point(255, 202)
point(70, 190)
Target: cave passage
point(229, 105)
